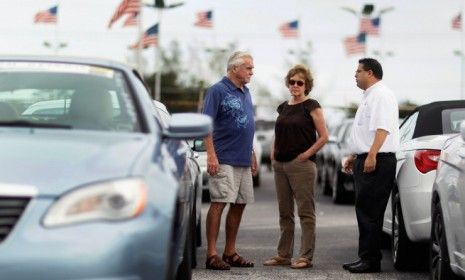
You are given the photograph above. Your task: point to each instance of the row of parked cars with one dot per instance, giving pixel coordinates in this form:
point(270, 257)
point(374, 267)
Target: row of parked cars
point(96, 181)
point(425, 215)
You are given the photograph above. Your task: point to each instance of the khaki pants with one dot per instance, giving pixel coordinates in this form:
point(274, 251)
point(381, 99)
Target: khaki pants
point(295, 181)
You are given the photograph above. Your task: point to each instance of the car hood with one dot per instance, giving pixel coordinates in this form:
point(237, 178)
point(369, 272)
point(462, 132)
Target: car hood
point(55, 161)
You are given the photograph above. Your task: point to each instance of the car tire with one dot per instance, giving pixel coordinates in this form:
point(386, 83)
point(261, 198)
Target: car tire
point(439, 261)
point(256, 180)
point(406, 255)
point(339, 193)
point(205, 195)
point(193, 233)
point(185, 268)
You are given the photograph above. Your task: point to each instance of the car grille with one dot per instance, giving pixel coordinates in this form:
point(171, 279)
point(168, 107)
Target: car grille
point(11, 209)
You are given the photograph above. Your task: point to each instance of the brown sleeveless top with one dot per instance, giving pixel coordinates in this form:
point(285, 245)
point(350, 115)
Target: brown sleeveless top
point(294, 130)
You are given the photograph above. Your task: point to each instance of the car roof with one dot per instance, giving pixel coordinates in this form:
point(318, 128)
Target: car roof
point(430, 117)
point(68, 59)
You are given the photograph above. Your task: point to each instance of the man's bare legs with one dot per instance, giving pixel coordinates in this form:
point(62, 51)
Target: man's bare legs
point(213, 226)
point(233, 220)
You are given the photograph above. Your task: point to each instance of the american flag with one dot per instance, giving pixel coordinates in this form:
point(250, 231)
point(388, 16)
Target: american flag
point(355, 44)
point(126, 7)
point(47, 16)
point(457, 22)
point(149, 38)
point(131, 20)
point(290, 29)
point(204, 19)
point(369, 26)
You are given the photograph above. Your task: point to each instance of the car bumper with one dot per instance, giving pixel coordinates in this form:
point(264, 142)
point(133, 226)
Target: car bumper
point(416, 208)
point(132, 249)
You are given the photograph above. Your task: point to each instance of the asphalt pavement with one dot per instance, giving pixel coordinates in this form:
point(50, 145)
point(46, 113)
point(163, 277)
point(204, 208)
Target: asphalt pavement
point(336, 242)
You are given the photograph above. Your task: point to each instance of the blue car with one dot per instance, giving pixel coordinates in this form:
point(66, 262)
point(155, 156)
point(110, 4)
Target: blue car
point(92, 186)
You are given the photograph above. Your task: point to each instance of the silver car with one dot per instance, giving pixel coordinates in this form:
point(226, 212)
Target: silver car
point(92, 186)
point(447, 245)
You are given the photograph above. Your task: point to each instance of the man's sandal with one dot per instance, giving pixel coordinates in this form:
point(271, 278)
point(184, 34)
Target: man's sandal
point(276, 261)
point(237, 261)
point(302, 263)
point(216, 263)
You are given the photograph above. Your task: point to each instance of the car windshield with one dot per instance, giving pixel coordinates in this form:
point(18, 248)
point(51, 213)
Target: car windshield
point(61, 95)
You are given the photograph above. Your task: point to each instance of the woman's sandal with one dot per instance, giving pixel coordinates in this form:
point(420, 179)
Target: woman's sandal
point(277, 260)
point(237, 261)
point(302, 263)
point(216, 263)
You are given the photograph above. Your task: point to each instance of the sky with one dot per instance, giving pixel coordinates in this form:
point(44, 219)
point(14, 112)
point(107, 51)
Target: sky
point(421, 66)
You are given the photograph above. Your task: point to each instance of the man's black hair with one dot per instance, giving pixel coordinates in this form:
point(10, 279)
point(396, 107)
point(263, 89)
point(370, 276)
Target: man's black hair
point(373, 65)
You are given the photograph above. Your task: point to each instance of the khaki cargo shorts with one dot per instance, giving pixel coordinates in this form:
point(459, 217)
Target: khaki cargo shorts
point(231, 184)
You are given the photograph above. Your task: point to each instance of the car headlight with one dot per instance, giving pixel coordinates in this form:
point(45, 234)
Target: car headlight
point(112, 200)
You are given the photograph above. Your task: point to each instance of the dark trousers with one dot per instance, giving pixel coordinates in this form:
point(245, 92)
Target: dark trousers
point(372, 192)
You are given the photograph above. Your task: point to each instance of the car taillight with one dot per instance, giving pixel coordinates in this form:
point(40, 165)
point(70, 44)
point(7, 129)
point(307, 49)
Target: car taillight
point(427, 160)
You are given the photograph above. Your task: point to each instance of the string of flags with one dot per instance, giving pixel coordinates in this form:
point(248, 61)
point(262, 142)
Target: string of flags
point(355, 44)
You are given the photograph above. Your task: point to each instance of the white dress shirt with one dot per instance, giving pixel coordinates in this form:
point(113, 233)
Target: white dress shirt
point(378, 110)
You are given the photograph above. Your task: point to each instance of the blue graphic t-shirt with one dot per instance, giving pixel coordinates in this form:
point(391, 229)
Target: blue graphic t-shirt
point(233, 123)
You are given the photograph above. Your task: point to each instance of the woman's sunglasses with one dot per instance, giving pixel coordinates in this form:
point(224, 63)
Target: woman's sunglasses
point(293, 82)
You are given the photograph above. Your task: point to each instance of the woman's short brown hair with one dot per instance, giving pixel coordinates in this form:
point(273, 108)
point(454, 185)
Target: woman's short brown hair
point(305, 72)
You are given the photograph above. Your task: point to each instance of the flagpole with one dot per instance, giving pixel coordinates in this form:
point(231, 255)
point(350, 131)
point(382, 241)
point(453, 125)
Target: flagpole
point(55, 45)
point(462, 54)
point(157, 85)
point(139, 35)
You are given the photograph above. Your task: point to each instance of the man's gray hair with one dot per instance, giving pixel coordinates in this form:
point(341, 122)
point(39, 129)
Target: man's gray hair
point(237, 58)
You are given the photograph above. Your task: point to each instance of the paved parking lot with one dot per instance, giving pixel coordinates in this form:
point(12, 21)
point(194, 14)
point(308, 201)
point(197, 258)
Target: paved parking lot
point(336, 243)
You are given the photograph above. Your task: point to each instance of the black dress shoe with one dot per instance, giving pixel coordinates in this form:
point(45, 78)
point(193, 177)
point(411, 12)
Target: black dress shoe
point(365, 267)
point(347, 265)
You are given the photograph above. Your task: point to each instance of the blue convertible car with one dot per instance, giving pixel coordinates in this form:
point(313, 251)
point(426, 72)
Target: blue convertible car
point(92, 186)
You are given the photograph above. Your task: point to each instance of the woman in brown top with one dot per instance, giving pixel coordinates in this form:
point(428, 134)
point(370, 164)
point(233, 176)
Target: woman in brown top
point(300, 132)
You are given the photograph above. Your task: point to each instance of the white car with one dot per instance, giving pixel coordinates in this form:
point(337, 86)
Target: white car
point(408, 215)
point(447, 246)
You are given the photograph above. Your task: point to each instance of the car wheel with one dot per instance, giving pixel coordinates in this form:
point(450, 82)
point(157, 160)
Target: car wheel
point(185, 268)
point(193, 233)
point(339, 194)
point(439, 254)
point(205, 195)
point(405, 253)
point(326, 184)
point(256, 180)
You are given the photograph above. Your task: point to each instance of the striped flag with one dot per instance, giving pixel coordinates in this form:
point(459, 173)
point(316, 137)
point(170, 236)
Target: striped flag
point(457, 22)
point(355, 44)
point(290, 29)
point(370, 26)
point(131, 20)
point(204, 19)
point(47, 16)
point(149, 38)
point(125, 7)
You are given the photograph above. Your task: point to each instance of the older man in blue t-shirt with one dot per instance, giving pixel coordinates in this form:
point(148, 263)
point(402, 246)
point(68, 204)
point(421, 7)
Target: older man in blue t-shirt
point(230, 158)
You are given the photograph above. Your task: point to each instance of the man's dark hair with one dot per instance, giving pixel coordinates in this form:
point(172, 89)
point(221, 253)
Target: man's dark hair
point(373, 65)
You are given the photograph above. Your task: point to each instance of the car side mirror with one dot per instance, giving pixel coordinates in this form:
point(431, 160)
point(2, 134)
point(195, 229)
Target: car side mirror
point(199, 146)
point(462, 130)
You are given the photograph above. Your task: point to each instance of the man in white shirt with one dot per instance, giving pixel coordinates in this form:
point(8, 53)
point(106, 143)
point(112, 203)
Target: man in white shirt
point(375, 139)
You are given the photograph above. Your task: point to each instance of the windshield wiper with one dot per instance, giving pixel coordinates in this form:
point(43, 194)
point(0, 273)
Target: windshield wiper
point(24, 123)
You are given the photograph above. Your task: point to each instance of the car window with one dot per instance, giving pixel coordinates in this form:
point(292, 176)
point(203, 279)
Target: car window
point(451, 119)
point(408, 127)
point(72, 95)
